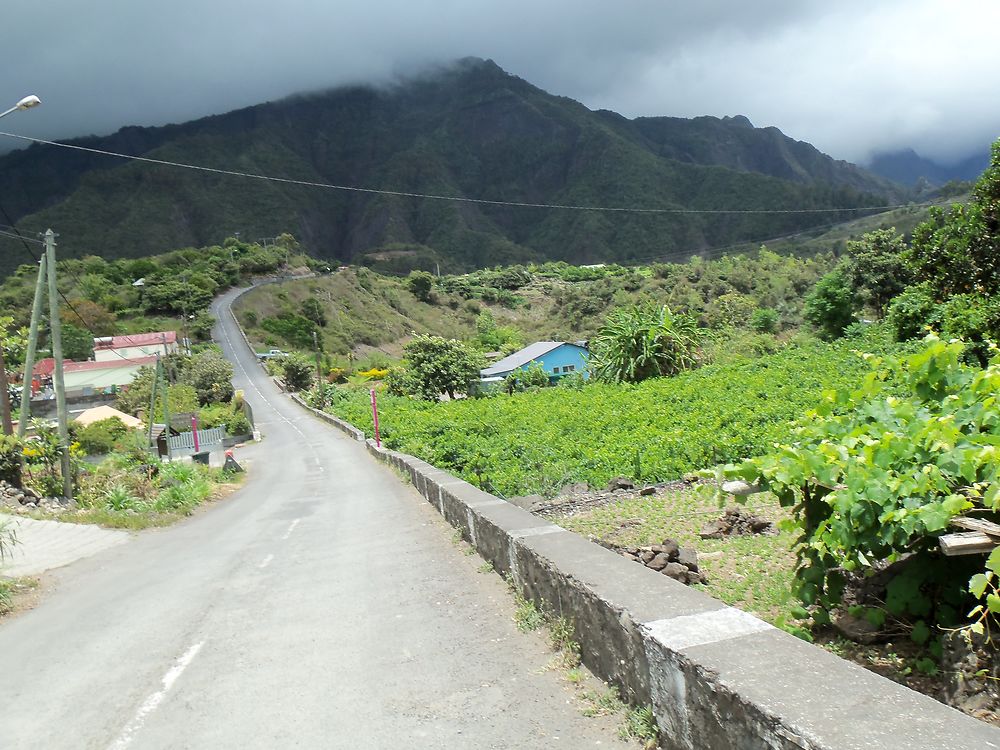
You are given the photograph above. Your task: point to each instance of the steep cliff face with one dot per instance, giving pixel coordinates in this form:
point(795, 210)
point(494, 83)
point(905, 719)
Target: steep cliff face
point(469, 130)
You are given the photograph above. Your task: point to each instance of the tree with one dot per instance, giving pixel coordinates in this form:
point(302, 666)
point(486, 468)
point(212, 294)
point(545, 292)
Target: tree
point(174, 297)
point(420, 284)
point(298, 372)
point(90, 315)
point(77, 344)
point(211, 375)
point(877, 269)
point(830, 305)
point(643, 341)
point(312, 309)
point(958, 251)
point(436, 365)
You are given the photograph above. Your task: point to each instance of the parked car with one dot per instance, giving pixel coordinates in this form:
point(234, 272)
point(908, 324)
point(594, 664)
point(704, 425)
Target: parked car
point(272, 354)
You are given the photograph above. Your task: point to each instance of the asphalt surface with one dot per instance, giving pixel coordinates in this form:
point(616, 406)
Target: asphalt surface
point(321, 606)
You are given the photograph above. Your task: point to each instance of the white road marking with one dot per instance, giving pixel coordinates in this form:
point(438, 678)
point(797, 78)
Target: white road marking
point(267, 561)
point(291, 528)
point(154, 700)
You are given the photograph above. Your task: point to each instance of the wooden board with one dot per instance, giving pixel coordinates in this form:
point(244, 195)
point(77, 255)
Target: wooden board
point(967, 543)
point(977, 524)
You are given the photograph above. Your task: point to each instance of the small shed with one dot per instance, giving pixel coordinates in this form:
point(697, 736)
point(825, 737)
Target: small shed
point(557, 358)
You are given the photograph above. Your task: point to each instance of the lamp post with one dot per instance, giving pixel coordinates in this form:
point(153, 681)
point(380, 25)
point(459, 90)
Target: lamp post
point(8, 427)
point(26, 103)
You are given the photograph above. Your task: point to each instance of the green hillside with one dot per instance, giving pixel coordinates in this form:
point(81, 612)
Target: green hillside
point(471, 130)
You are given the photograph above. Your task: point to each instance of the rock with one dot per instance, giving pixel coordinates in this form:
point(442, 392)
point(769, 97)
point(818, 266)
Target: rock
point(659, 562)
point(31, 505)
point(671, 548)
point(857, 629)
point(32, 493)
point(576, 488)
point(644, 491)
point(676, 571)
point(646, 555)
point(714, 530)
point(627, 555)
point(620, 483)
point(695, 577)
point(526, 501)
point(689, 559)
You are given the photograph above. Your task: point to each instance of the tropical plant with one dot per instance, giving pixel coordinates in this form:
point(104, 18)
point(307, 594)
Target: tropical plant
point(643, 341)
point(876, 474)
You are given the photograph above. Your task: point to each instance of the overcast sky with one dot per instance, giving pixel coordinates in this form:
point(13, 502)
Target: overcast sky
point(851, 77)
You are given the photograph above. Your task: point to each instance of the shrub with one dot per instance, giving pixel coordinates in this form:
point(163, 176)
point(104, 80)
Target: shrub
point(912, 312)
point(830, 305)
point(526, 378)
point(99, 438)
point(764, 320)
point(298, 372)
point(211, 375)
point(10, 459)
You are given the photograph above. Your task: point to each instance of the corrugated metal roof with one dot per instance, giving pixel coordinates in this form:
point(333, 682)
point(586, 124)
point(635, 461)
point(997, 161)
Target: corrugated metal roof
point(135, 339)
point(522, 357)
point(113, 364)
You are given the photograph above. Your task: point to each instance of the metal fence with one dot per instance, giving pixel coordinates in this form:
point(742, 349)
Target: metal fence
point(183, 444)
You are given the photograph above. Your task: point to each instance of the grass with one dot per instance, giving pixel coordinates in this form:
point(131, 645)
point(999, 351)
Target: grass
point(10, 588)
point(640, 724)
point(121, 495)
point(602, 703)
point(753, 573)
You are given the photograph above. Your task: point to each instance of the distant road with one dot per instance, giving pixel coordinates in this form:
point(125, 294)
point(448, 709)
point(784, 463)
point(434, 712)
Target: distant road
point(322, 606)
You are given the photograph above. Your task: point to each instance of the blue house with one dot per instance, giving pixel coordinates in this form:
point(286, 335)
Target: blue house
point(557, 358)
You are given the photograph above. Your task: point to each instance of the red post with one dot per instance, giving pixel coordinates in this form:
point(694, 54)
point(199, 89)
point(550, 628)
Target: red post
point(378, 440)
point(194, 429)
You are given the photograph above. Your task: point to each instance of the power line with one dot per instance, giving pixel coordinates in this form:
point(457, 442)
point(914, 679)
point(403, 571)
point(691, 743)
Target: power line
point(455, 198)
point(25, 240)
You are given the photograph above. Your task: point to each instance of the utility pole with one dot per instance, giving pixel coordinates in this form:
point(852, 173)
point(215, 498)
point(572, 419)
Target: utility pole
point(57, 354)
point(8, 426)
point(151, 414)
point(29, 358)
point(319, 379)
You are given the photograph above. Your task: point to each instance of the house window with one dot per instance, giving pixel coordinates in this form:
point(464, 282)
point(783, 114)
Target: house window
point(569, 368)
point(555, 370)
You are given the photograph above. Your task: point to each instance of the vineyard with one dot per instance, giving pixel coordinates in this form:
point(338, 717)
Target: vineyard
point(536, 442)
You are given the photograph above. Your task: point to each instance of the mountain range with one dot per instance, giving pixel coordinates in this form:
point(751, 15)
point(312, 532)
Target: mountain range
point(909, 168)
point(468, 130)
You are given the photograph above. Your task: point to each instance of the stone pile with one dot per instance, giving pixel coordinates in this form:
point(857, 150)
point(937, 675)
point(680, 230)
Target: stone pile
point(737, 522)
point(14, 499)
point(668, 558)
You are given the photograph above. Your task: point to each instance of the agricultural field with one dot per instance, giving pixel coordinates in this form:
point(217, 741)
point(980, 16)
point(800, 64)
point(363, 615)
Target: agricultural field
point(536, 442)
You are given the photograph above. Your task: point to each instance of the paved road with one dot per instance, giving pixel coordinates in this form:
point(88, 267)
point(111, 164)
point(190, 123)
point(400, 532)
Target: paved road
point(322, 606)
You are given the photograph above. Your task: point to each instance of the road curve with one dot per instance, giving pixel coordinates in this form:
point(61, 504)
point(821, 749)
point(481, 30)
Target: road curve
point(321, 606)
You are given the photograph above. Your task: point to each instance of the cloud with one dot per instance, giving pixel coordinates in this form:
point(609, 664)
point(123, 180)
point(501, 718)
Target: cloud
point(852, 78)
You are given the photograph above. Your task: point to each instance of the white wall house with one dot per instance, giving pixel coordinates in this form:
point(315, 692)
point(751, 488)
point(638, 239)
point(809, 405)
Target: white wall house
point(134, 346)
point(97, 376)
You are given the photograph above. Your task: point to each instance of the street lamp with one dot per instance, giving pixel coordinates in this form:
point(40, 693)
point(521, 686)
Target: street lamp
point(8, 427)
point(26, 103)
